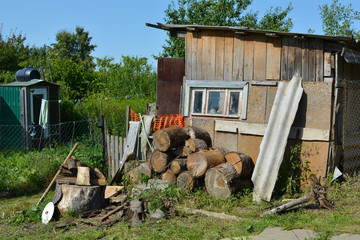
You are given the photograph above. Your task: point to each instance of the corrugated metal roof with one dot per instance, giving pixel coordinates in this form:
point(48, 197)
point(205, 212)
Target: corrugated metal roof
point(185, 28)
point(27, 83)
point(273, 145)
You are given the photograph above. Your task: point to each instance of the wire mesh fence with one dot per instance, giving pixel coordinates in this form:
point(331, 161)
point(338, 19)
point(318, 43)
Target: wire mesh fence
point(351, 128)
point(15, 138)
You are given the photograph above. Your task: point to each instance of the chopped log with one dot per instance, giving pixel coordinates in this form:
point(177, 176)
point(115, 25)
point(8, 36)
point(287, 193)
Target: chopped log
point(178, 165)
point(99, 174)
point(190, 144)
point(196, 132)
point(222, 181)
point(160, 160)
point(185, 180)
point(168, 138)
point(135, 174)
point(243, 163)
point(112, 190)
point(83, 176)
point(196, 144)
point(223, 151)
point(197, 163)
point(182, 151)
point(169, 176)
point(81, 198)
point(72, 181)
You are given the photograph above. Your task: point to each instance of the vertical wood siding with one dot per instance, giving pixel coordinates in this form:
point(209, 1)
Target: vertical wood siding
point(227, 56)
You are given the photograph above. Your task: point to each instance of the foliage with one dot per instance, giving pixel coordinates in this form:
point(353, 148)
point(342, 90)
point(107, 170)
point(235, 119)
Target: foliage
point(220, 13)
point(132, 76)
point(114, 111)
point(13, 55)
point(294, 171)
point(75, 46)
point(338, 19)
point(26, 173)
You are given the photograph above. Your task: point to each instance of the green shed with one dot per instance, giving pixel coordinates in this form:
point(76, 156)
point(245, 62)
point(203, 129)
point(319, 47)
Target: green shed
point(20, 104)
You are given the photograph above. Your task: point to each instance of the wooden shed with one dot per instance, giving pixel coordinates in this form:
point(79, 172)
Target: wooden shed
point(20, 104)
point(231, 78)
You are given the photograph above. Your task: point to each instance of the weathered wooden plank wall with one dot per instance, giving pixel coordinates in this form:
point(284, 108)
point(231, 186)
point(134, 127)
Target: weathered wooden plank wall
point(226, 55)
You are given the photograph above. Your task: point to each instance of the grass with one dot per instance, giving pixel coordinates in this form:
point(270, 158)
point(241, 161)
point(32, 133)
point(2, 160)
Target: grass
point(28, 173)
point(17, 223)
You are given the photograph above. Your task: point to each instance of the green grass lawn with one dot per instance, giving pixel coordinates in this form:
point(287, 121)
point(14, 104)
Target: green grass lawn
point(20, 220)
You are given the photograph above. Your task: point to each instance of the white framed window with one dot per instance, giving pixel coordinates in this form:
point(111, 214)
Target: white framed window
point(216, 98)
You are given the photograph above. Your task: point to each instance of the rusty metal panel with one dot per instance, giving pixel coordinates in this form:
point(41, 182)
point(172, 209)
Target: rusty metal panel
point(315, 106)
point(226, 140)
point(171, 72)
point(206, 124)
point(273, 145)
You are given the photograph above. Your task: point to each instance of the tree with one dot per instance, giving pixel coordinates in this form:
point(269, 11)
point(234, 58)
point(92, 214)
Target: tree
point(338, 19)
point(220, 13)
point(132, 76)
point(13, 55)
point(75, 46)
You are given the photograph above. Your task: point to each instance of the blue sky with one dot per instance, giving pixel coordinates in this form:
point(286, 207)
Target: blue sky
point(118, 26)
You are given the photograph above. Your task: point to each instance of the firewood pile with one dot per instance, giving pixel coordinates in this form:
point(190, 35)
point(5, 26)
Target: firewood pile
point(185, 157)
point(75, 172)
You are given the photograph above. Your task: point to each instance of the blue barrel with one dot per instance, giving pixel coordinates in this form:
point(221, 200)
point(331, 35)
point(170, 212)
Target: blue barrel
point(27, 74)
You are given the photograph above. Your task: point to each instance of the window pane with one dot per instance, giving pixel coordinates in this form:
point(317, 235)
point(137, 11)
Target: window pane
point(198, 96)
point(216, 102)
point(234, 103)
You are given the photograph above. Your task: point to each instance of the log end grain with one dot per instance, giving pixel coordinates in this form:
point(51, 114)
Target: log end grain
point(159, 161)
point(185, 181)
point(169, 176)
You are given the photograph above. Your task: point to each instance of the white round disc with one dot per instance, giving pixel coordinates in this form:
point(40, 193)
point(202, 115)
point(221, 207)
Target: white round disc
point(47, 213)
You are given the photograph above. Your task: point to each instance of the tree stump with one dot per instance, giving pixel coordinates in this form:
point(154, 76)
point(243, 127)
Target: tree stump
point(81, 198)
point(168, 138)
point(222, 181)
point(243, 163)
point(185, 180)
point(169, 176)
point(160, 160)
point(197, 163)
point(178, 165)
point(196, 132)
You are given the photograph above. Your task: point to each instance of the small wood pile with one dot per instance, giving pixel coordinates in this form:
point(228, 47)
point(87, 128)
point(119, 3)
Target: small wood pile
point(79, 181)
point(185, 157)
point(75, 172)
point(136, 211)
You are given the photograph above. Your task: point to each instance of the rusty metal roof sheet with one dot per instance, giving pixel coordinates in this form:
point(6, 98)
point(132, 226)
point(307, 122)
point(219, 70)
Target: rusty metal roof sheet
point(273, 145)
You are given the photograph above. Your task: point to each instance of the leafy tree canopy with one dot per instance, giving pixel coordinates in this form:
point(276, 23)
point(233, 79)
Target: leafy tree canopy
point(75, 46)
point(338, 19)
point(220, 13)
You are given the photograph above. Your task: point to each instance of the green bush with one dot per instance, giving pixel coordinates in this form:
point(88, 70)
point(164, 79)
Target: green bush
point(114, 111)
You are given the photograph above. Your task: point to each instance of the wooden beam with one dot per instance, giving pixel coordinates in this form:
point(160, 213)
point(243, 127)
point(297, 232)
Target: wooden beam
point(309, 134)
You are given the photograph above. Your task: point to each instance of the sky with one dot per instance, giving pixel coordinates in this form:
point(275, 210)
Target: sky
point(118, 28)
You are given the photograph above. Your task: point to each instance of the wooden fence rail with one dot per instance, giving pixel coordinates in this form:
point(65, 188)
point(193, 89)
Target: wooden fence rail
point(114, 151)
